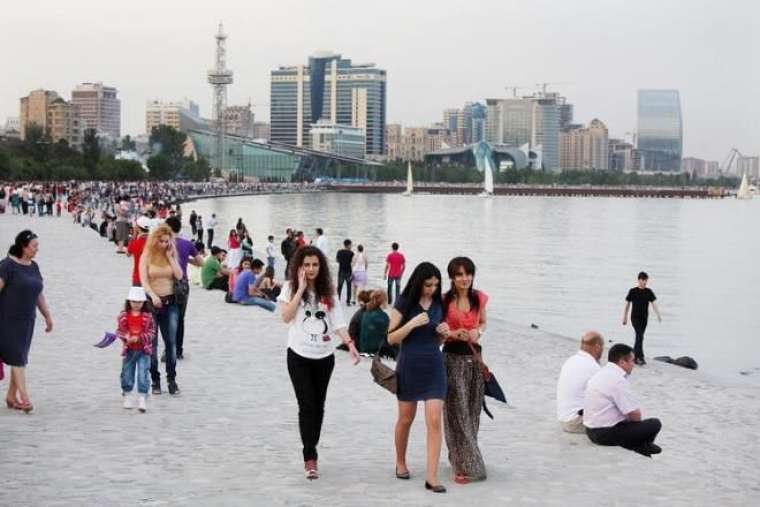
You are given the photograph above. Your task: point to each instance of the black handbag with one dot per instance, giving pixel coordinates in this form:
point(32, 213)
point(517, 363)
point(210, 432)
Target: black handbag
point(492, 387)
point(181, 291)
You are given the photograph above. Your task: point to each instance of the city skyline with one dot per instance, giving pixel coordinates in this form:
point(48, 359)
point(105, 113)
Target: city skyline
point(626, 47)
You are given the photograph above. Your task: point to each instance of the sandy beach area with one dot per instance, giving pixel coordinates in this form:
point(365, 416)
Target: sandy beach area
point(231, 437)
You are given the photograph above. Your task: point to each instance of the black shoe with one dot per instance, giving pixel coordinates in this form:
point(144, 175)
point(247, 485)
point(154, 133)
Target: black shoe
point(156, 389)
point(180, 356)
point(654, 448)
point(174, 388)
point(642, 362)
point(404, 476)
point(438, 488)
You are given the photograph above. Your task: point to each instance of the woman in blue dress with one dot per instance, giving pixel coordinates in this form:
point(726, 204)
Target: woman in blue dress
point(415, 325)
point(20, 297)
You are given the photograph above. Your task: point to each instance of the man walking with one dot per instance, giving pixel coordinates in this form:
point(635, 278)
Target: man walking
point(344, 257)
point(611, 414)
point(640, 297)
point(395, 264)
point(210, 231)
point(193, 219)
point(321, 241)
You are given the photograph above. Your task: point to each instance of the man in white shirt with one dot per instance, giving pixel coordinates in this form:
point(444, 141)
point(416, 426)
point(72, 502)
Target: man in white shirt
point(611, 413)
point(321, 241)
point(573, 378)
point(210, 231)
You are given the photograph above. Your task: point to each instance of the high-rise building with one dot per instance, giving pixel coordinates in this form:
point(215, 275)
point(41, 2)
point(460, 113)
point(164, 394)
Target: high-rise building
point(182, 115)
point(583, 149)
point(622, 156)
point(474, 122)
point(34, 110)
point(99, 108)
point(12, 127)
point(393, 133)
point(338, 139)
point(749, 166)
point(64, 123)
point(261, 130)
point(454, 122)
point(238, 120)
point(660, 130)
point(329, 88)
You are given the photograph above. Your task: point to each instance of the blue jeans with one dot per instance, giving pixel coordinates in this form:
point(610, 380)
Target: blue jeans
point(167, 319)
point(256, 301)
point(139, 361)
point(270, 262)
point(391, 281)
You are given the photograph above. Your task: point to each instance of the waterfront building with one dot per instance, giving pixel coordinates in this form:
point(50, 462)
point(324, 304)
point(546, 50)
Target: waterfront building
point(99, 108)
point(239, 120)
point(393, 133)
point(660, 130)
point(502, 157)
point(749, 166)
point(454, 122)
point(64, 123)
point(338, 139)
point(583, 149)
point(696, 167)
point(261, 130)
point(328, 88)
point(34, 110)
point(713, 169)
point(182, 115)
point(12, 128)
point(474, 122)
point(622, 156)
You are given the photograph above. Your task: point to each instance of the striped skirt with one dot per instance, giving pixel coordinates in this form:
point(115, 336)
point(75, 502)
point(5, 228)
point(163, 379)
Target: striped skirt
point(461, 415)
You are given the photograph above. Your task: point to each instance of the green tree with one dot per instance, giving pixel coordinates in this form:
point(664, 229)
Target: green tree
point(91, 152)
point(128, 144)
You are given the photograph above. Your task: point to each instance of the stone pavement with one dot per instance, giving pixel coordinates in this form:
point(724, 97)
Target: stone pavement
point(231, 437)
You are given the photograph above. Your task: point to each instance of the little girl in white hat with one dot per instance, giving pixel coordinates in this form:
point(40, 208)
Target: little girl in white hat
point(136, 329)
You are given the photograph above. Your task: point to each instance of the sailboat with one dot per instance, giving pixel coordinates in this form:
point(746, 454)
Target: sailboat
point(743, 192)
point(409, 181)
point(487, 179)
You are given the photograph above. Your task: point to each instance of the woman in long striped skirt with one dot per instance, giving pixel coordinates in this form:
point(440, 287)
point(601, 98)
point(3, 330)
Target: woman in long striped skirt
point(465, 316)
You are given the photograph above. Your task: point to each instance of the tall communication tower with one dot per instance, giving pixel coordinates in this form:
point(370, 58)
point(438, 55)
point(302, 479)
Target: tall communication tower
point(219, 78)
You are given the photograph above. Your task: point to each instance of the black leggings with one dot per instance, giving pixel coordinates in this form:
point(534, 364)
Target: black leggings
point(631, 435)
point(639, 326)
point(310, 378)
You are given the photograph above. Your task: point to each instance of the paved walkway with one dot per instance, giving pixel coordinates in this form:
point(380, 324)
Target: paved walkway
point(231, 438)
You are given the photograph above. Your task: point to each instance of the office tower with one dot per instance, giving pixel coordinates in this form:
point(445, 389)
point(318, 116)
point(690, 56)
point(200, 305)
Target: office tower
point(583, 149)
point(181, 115)
point(660, 130)
point(99, 108)
point(34, 110)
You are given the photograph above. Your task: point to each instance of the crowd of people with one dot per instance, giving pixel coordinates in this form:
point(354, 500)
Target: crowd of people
point(435, 335)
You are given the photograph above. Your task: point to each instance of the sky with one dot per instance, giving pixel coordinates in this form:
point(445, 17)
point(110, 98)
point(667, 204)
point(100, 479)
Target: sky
point(438, 54)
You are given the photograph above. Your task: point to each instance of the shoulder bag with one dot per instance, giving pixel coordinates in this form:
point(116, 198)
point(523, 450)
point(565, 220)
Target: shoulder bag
point(382, 374)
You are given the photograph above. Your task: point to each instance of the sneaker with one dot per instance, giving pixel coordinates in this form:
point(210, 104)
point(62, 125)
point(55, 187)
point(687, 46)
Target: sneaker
point(310, 468)
point(142, 403)
point(174, 388)
point(128, 402)
point(156, 389)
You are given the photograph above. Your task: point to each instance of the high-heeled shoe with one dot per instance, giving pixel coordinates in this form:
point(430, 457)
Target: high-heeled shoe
point(438, 488)
point(11, 404)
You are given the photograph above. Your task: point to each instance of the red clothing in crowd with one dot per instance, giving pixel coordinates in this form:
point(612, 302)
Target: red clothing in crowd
point(396, 263)
point(135, 249)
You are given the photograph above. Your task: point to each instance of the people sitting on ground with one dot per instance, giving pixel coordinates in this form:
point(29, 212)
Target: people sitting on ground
point(611, 414)
point(374, 327)
point(194, 272)
point(355, 325)
point(213, 274)
point(245, 291)
point(573, 378)
point(267, 284)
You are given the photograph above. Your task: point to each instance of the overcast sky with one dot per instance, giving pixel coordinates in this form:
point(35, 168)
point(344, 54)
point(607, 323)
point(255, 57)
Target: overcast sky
point(438, 54)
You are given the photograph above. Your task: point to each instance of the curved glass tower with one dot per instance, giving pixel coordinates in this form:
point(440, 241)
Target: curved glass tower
point(660, 130)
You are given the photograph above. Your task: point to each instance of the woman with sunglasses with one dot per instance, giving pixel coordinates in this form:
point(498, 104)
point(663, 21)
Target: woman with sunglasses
point(20, 296)
point(311, 309)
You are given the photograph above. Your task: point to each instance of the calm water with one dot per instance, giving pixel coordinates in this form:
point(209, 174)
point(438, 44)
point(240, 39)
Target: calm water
point(563, 263)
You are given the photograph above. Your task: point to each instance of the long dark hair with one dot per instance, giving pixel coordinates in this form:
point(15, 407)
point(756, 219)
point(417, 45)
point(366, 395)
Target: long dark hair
point(453, 268)
point(413, 289)
point(22, 241)
point(323, 286)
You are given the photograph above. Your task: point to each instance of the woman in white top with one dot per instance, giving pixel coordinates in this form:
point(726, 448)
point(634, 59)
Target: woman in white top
point(359, 268)
point(312, 311)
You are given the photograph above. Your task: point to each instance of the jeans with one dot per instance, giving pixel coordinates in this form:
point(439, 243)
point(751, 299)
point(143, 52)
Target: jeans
point(344, 278)
point(393, 280)
point(270, 262)
point(257, 301)
point(639, 326)
point(210, 238)
point(167, 319)
point(181, 327)
point(139, 361)
point(635, 436)
point(310, 378)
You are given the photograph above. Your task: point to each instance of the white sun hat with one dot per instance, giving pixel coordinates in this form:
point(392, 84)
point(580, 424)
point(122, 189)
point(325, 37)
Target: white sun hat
point(143, 222)
point(136, 294)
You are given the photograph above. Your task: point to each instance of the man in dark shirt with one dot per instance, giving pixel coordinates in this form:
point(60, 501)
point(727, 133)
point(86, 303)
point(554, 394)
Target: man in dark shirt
point(288, 248)
point(640, 297)
point(344, 258)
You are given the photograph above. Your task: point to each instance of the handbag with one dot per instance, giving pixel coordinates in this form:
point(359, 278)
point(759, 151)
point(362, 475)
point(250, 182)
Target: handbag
point(382, 374)
point(181, 291)
point(492, 387)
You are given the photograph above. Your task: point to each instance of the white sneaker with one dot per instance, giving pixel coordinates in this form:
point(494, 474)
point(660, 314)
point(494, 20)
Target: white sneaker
point(142, 404)
point(128, 401)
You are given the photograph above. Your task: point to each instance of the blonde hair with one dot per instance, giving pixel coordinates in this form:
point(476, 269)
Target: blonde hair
point(152, 253)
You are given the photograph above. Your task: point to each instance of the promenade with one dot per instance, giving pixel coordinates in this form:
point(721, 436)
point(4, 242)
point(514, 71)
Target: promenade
point(231, 437)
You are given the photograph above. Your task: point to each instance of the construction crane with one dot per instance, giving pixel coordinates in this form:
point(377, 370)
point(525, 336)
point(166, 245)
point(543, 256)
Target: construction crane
point(542, 86)
point(733, 156)
point(514, 89)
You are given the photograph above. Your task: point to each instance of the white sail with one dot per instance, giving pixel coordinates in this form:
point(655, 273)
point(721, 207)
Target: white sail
point(488, 181)
point(743, 192)
point(409, 180)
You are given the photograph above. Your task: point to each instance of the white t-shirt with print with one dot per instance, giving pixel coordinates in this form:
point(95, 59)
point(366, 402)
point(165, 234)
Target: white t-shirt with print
point(311, 334)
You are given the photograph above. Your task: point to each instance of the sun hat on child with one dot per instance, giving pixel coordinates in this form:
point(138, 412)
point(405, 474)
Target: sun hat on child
point(136, 294)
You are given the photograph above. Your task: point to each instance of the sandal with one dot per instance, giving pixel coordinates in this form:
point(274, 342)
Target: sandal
point(403, 475)
point(26, 406)
point(461, 479)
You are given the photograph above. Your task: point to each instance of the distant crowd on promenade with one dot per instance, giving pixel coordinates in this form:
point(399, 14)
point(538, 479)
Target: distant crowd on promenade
point(435, 335)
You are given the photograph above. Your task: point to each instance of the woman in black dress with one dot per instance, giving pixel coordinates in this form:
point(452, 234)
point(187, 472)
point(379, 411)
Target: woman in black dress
point(416, 325)
point(20, 295)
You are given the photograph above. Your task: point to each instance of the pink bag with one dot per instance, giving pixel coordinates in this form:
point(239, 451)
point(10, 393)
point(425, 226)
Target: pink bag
point(2, 369)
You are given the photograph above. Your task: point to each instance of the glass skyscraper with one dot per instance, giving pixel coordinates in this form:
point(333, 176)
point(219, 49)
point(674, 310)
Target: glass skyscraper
point(331, 89)
point(660, 130)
